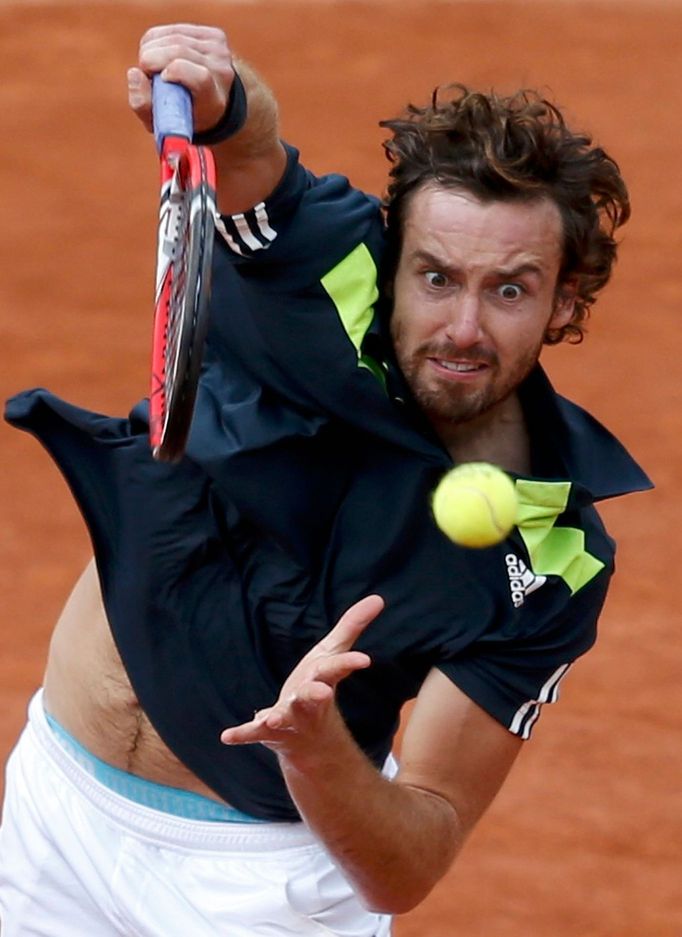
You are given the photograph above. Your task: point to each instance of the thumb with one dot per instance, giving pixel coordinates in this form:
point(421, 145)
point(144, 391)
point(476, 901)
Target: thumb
point(140, 95)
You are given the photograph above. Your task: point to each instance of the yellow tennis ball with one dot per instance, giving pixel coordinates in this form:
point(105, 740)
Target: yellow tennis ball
point(475, 504)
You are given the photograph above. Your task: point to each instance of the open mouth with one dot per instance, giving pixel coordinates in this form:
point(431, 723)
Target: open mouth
point(460, 367)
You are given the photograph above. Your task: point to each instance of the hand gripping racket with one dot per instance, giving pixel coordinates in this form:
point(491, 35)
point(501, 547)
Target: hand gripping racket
point(183, 269)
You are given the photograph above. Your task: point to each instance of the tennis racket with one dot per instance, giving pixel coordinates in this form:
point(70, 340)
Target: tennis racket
point(183, 269)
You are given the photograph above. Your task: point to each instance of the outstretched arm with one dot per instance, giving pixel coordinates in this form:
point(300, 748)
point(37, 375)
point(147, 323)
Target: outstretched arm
point(249, 164)
point(394, 840)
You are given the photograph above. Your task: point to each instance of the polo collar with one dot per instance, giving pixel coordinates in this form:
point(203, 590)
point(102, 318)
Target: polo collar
point(569, 443)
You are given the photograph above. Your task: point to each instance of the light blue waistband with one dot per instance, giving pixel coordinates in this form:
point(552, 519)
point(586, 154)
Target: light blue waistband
point(171, 800)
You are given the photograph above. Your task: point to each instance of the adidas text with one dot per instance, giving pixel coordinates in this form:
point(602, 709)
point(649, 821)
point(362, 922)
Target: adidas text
point(522, 581)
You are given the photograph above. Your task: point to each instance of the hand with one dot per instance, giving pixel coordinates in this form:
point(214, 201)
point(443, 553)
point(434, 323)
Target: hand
point(197, 57)
point(305, 707)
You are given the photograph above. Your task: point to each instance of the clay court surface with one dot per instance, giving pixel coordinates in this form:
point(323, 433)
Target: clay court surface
point(584, 840)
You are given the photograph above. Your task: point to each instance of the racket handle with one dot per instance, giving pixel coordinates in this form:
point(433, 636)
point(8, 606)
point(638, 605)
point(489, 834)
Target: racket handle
point(171, 111)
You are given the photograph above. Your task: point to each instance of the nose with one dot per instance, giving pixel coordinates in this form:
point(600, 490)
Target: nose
point(464, 327)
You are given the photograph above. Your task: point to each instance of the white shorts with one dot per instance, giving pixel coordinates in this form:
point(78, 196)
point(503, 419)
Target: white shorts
point(79, 860)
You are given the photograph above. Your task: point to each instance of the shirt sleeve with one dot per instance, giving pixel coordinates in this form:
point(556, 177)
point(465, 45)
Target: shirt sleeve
point(512, 672)
point(295, 341)
point(247, 235)
point(295, 294)
point(306, 226)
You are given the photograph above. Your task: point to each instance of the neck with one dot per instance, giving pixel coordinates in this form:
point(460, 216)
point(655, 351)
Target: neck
point(499, 436)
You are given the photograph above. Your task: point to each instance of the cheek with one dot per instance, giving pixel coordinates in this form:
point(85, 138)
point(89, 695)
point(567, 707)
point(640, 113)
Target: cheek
point(414, 320)
point(395, 325)
point(404, 343)
point(517, 338)
point(409, 333)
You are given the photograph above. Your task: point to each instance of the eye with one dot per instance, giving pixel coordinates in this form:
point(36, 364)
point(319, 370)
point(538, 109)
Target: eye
point(510, 292)
point(435, 279)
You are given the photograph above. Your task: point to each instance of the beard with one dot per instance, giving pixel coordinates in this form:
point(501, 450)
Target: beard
point(444, 402)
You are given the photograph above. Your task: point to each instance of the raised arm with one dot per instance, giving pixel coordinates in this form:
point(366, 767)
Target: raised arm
point(394, 840)
point(251, 162)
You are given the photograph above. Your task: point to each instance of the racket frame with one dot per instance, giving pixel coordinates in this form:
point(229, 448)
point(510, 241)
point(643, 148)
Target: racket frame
point(186, 222)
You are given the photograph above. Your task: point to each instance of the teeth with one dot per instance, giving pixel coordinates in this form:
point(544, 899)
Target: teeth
point(459, 366)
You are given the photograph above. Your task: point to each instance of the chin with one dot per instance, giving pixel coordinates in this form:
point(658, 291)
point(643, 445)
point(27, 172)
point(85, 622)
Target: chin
point(448, 408)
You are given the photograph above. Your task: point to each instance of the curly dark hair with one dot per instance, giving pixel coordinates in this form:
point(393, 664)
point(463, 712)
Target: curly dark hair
point(512, 148)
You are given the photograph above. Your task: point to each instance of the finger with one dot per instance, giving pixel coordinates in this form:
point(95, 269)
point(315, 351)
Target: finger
point(209, 87)
point(210, 91)
point(252, 731)
point(352, 623)
point(289, 715)
point(310, 700)
point(190, 30)
point(200, 77)
point(264, 732)
point(157, 56)
point(140, 95)
point(182, 47)
point(331, 670)
point(242, 735)
point(296, 712)
point(210, 46)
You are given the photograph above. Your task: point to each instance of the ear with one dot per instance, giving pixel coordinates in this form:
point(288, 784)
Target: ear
point(564, 304)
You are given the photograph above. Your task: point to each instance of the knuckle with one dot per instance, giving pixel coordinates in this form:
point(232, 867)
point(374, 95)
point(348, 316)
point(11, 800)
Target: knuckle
point(178, 50)
point(203, 80)
point(223, 72)
point(217, 35)
point(149, 35)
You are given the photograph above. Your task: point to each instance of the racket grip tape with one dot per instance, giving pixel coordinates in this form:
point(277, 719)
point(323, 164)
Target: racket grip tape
point(171, 111)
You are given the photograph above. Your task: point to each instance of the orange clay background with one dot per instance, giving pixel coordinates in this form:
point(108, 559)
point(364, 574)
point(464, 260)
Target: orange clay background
point(584, 840)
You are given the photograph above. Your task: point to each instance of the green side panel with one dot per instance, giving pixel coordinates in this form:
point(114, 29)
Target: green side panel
point(557, 551)
point(352, 287)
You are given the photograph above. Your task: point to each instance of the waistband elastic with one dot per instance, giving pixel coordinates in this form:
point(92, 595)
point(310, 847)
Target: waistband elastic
point(79, 768)
point(173, 800)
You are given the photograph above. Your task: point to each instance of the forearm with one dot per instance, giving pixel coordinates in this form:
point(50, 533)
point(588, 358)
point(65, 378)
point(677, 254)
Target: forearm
point(250, 164)
point(393, 842)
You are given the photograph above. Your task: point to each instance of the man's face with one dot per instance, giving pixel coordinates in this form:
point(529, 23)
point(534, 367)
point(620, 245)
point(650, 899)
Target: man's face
point(474, 293)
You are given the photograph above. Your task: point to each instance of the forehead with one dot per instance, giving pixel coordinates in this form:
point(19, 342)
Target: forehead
point(455, 224)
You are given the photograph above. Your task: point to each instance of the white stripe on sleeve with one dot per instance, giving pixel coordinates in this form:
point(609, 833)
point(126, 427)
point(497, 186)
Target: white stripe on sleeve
point(528, 714)
point(246, 234)
point(229, 240)
point(264, 222)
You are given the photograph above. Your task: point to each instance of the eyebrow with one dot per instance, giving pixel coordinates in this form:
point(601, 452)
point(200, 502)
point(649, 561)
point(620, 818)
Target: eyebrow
point(520, 270)
point(424, 256)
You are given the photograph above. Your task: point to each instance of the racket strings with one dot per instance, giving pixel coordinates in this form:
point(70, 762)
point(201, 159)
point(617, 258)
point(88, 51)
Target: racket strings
point(177, 296)
point(182, 299)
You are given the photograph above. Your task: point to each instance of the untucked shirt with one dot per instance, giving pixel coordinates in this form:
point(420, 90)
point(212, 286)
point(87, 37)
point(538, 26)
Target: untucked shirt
point(305, 487)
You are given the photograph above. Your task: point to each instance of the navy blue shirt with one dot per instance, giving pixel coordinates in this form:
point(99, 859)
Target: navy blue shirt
point(306, 486)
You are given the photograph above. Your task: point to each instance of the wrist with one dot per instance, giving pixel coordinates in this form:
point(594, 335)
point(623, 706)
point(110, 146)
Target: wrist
point(325, 751)
point(232, 121)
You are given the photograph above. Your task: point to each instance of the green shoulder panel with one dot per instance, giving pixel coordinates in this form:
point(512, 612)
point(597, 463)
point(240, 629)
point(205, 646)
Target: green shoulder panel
point(558, 551)
point(352, 287)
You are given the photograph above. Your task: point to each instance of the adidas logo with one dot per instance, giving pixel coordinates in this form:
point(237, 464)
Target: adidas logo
point(522, 581)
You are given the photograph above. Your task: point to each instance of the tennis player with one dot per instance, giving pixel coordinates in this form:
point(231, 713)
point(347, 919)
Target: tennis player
point(211, 752)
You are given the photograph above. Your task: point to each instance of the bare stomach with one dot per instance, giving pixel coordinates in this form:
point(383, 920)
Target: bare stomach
point(88, 693)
